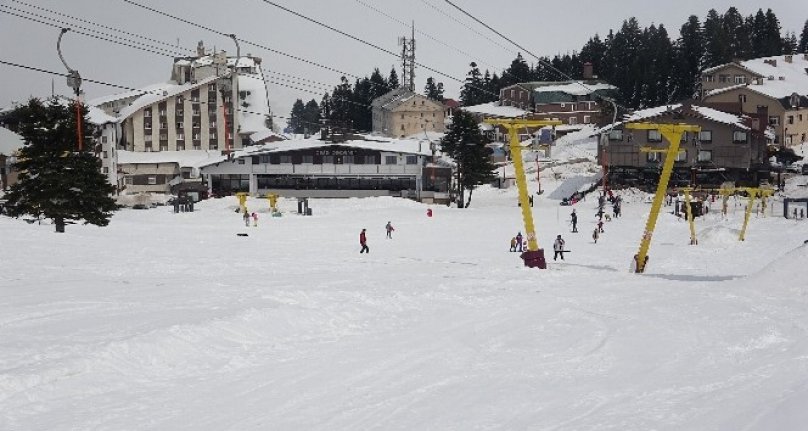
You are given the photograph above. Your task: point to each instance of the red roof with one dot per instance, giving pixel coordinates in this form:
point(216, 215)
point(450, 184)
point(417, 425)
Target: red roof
point(451, 103)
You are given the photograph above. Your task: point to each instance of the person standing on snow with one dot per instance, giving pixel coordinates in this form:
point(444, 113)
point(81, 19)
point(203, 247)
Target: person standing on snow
point(255, 219)
point(363, 241)
point(574, 218)
point(389, 228)
point(558, 248)
point(595, 235)
point(519, 241)
point(513, 244)
point(246, 218)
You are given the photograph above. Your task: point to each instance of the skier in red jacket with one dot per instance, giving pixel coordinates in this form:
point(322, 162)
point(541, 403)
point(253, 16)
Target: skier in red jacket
point(363, 241)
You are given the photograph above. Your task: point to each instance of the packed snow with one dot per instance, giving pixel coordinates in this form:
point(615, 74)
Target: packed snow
point(172, 321)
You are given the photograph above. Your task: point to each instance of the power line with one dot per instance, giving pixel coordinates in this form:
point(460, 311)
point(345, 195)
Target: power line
point(97, 24)
point(364, 42)
point(118, 42)
point(541, 61)
point(446, 14)
point(257, 45)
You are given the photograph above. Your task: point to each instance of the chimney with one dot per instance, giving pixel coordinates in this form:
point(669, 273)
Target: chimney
point(788, 58)
point(200, 49)
point(588, 71)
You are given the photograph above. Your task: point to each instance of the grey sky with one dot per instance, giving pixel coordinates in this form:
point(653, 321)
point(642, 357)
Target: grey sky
point(544, 27)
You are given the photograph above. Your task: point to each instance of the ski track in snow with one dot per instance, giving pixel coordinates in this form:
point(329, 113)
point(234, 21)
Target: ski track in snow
point(171, 321)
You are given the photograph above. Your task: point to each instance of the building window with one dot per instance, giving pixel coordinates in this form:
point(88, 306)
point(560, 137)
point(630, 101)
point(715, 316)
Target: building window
point(654, 136)
point(681, 156)
point(587, 119)
point(563, 105)
point(104, 154)
point(370, 160)
point(196, 112)
point(180, 146)
point(163, 126)
point(179, 113)
point(739, 137)
point(573, 121)
point(704, 156)
point(402, 127)
point(152, 180)
point(740, 79)
point(774, 121)
point(180, 125)
point(104, 138)
point(286, 159)
point(790, 119)
point(390, 160)
point(197, 145)
point(241, 161)
point(412, 160)
point(212, 87)
point(742, 98)
point(147, 113)
point(147, 138)
point(162, 112)
point(709, 78)
point(616, 135)
point(308, 159)
point(328, 160)
point(349, 160)
point(723, 78)
point(163, 146)
point(706, 136)
point(129, 181)
point(653, 157)
point(105, 170)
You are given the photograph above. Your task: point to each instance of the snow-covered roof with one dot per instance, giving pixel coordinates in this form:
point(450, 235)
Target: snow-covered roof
point(779, 81)
point(721, 66)
point(428, 135)
point(156, 96)
point(495, 110)
point(185, 159)
point(9, 141)
point(723, 89)
point(98, 116)
point(575, 88)
point(264, 134)
point(153, 88)
point(702, 111)
point(720, 117)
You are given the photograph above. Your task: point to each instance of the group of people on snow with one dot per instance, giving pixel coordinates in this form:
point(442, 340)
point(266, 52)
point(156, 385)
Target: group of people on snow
point(363, 238)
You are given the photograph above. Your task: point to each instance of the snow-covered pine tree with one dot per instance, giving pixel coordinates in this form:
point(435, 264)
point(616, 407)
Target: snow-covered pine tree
point(57, 180)
point(465, 144)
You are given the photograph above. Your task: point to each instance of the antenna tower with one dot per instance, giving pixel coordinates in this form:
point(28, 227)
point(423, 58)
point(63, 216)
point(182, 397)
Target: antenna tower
point(408, 60)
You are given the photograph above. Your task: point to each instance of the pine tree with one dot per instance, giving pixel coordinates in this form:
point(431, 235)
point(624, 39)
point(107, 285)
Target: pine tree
point(378, 85)
point(737, 34)
point(57, 180)
point(297, 117)
point(716, 41)
point(773, 41)
point(594, 52)
point(432, 90)
point(341, 106)
point(465, 144)
point(758, 34)
point(518, 71)
point(689, 50)
point(311, 115)
point(325, 107)
point(624, 52)
point(803, 45)
point(790, 43)
point(392, 80)
point(471, 93)
point(361, 115)
point(656, 54)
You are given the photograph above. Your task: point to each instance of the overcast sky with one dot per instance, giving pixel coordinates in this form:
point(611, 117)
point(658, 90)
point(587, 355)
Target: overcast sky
point(544, 27)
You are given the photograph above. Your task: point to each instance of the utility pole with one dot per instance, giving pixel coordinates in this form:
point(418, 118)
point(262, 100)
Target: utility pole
point(74, 82)
point(408, 60)
point(229, 85)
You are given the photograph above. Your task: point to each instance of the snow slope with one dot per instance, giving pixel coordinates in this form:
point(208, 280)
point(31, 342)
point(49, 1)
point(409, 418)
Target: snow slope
point(171, 321)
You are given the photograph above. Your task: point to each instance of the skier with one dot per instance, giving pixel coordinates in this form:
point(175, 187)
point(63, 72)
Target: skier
point(558, 248)
point(600, 226)
point(595, 235)
point(255, 219)
point(513, 244)
point(519, 241)
point(574, 218)
point(246, 218)
point(363, 241)
point(389, 228)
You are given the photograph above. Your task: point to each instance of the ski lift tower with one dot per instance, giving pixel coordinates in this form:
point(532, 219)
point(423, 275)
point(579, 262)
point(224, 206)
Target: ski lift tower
point(673, 134)
point(534, 256)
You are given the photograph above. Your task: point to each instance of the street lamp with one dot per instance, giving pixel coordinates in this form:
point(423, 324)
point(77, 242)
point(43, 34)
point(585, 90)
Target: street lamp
point(74, 82)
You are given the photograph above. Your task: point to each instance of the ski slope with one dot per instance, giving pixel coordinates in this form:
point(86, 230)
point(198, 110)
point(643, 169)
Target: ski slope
point(171, 321)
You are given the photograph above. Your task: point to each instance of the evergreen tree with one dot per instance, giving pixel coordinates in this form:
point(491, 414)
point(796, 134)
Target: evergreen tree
point(624, 53)
point(689, 50)
point(325, 107)
point(465, 144)
point(716, 41)
point(311, 115)
point(773, 42)
point(361, 115)
point(758, 34)
point(392, 80)
point(802, 47)
point(656, 54)
point(57, 180)
point(737, 34)
point(518, 71)
point(297, 117)
point(790, 43)
point(471, 93)
point(432, 90)
point(594, 51)
point(494, 85)
point(378, 85)
point(340, 103)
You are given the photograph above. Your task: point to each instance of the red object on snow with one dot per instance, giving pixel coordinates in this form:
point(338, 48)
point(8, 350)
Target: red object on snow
point(429, 212)
point(534, 259)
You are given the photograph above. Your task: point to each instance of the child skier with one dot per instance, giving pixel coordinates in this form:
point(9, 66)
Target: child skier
point(389, 228)
point(246, 218)
point(558, 248)
point(513, 244)
point(255, 219)
point(595, 235)
point(519, 241)
point(363, 241)
point(574, 218)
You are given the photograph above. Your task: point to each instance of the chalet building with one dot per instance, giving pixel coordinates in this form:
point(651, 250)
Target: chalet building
point(320, 169)
point(780, 84)
point(728, 148)
point(164, 171)
point(401, 113)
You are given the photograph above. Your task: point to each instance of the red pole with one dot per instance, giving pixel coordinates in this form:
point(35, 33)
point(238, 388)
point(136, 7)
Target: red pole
point(226, 144)
point(78, 123)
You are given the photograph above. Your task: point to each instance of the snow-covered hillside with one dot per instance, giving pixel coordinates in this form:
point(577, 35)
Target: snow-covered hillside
point(171, 321)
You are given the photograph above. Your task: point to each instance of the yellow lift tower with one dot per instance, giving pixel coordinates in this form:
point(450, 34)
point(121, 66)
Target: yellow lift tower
point(763, 192)
point(534, 256)
point(673, 134)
